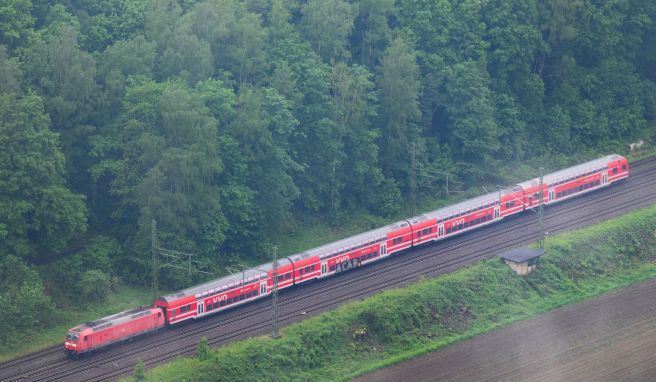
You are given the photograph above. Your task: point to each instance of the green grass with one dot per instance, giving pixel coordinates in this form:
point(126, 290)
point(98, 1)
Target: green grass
point(125, 298)
point(403, 323)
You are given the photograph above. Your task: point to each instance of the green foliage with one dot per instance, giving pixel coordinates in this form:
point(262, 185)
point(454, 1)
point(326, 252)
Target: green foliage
point(93, 286)
point(327, 25)
point(22, 297)
point(84, 277)
point(398, 324)
point(203, 349)
point(139, 373)
point(229, 120)
point(38, 213)
point(398, 86)
point(15, 22)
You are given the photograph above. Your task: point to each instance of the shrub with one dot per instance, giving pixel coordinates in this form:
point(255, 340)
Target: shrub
point(93, 286)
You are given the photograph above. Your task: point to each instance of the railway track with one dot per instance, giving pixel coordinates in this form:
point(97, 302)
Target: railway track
point(254, 319)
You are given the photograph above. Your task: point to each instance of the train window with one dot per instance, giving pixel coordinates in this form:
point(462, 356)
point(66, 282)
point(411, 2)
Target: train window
point(558, 194)
point(228, 301)
point(623, 167)
point(255, 293)
point(208, 307)
point(581, 188)
point(489, 217)
point(460, 226)
point(466, 224)
point(216, 305)
point(615, 170)
point(478, 221)
point(241, 297)
point(448, 230)
point(585, 186)
point(597, 183)
point(222, 303)
point(288, 276)
point(332, 268)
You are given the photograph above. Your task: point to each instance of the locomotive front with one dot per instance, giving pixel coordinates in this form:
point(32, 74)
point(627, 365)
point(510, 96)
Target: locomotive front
point(72, 343)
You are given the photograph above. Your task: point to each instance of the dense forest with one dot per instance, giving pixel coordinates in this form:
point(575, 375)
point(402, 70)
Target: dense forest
point(227, 121)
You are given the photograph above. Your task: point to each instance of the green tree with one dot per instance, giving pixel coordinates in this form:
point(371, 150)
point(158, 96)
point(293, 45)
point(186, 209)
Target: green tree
point(372, 33)
point(38, 213)
point(10, 73)
point(16, 22)
point(235, 36)
point(65, 75)
point(354, 168)
point(23, 298)
point(472, 131)
point(203, 351)
point(327, 24)
point(163, 161)
point(398, 90)
point(187, 57)
point(139, 372)
point(93, 286)
point(259, 166)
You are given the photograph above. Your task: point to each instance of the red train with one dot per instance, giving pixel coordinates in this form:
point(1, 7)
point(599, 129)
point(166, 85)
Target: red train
point(257, 282)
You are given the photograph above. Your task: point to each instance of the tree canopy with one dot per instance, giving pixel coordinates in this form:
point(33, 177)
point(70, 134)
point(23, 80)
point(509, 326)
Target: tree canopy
point(226, 121)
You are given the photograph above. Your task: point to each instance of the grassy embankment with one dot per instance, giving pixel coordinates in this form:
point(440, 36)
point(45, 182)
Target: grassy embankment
point(399, 324)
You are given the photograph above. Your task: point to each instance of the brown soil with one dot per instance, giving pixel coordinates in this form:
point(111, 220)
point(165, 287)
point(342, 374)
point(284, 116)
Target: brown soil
point(608, 338)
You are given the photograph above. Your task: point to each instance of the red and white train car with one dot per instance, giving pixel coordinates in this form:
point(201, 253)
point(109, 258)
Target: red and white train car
point(224, 293)
point(115, 328)
point(575, 180)
point(354, 251)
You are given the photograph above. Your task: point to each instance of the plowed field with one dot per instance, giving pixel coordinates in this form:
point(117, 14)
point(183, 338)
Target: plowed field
point(609, 338)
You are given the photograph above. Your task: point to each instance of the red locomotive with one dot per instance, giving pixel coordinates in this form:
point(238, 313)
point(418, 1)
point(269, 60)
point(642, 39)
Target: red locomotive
point(257, 282)
point(118, 327)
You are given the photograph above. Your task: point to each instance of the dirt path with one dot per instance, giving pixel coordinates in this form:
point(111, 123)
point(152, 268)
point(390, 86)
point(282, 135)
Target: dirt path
point(608, 338)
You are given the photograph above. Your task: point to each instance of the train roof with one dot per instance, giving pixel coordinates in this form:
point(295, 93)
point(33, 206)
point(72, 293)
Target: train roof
point(486, 200)
point(114, 319)
point(574, 170)
point(365, 237)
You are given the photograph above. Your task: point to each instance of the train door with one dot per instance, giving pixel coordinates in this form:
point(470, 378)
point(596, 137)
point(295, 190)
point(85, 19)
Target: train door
point(604, 178)
point(263, 287)
point(551, 194)
point(496, 212)
point(383, 249)
point(324, 268)
point(440, 230)
point(200, 307)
